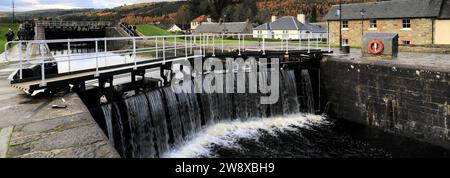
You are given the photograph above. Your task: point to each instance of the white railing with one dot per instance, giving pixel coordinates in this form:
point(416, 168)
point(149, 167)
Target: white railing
point(158, 49)
point(127, 30)
point(72, 23)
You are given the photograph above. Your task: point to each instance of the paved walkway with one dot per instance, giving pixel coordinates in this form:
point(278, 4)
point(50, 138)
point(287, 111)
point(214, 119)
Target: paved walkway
point(420, 61)
point(30, 128)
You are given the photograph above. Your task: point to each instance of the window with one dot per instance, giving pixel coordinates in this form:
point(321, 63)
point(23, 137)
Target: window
point(344, 41)
point(345, 24)
point(406, 23)
point(406, 42)
point(373, 24)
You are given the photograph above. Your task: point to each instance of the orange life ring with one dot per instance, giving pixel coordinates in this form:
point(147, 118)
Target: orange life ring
point(379, 49)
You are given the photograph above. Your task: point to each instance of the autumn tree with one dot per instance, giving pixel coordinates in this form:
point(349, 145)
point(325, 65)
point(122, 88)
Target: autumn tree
point(183, 15)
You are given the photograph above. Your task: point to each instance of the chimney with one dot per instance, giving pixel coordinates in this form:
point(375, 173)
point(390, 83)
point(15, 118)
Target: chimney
point(209, 19)
point(274, 18)
point(301, 18)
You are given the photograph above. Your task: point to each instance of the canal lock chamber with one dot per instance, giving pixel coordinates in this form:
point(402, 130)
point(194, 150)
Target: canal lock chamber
point(152, 120)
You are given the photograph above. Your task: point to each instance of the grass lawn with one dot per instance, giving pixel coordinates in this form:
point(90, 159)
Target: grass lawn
point(3, 29)
point(151, 30)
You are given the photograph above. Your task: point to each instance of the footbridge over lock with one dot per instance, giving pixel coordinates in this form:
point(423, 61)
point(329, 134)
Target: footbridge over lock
point(60, 62)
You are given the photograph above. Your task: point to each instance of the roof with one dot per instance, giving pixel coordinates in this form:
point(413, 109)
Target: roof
point(202, 18)
point(445, 11)
point(231, 27)
point(290, 23)
point(388, 10)
point(181, 26)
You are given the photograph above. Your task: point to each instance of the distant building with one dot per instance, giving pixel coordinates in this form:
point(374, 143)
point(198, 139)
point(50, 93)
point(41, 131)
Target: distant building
point(419, 22)
point(176, 28)
point(198, 21)
point(289, 27)
point(224, 28)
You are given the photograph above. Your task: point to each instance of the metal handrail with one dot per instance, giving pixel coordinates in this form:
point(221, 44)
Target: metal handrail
point(127, 30)
point(167, 45)
point(73, 23)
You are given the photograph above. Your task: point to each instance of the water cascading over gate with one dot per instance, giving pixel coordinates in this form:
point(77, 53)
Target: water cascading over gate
point(148, 125)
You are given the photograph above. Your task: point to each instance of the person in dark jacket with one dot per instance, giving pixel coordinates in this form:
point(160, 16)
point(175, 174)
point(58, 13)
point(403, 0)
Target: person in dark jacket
point(23, 34)
point(9, 36)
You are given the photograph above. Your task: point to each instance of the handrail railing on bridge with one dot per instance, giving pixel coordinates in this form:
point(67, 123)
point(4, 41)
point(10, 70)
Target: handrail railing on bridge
point(127, 30)
point(164, 49)
point(73, 23)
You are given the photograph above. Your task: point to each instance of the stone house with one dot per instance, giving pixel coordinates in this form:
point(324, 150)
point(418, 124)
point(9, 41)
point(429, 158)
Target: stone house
point(289, 27)
point(418, 22)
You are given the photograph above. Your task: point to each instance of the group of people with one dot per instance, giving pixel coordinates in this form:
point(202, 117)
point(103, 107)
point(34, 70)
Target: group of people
point(26, 32)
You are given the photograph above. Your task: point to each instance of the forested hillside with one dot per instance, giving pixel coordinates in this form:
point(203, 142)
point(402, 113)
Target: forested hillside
point(182, 12)
point(314, 9)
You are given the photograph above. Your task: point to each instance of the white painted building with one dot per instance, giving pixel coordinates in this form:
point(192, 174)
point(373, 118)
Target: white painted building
point(290, 28)
point(176, 28)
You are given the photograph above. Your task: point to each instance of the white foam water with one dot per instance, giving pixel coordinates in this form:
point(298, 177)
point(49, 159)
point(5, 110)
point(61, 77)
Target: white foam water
point(226, 134)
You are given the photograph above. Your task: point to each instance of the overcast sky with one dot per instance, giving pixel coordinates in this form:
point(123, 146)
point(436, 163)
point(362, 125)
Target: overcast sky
point(25, 5)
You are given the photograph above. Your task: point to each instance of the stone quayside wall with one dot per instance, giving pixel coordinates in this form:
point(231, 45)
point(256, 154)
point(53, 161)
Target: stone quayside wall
point(403, 100)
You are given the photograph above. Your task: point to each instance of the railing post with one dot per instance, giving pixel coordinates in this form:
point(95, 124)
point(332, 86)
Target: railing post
point(106, 53)
point(264, 46)
point(207, 44)
point(309, 40)
point(164, 50)
point(190, 43)
point(329, 42)
point(6, 52)
point(239, 44)
point(222, 41)
point(185, 46)
point(43, 82)
point(175, 39)
point(134, 53)
point(28, 53)
point(20, 61)
point(214, 45)
point(156, 41)
point(69, 52)
point(287, 45)
point(243, 42)
point(282, 42)
point(204, 42)
point(200, 43)
point(96, 59)
point(317, 44)
point(300, 40)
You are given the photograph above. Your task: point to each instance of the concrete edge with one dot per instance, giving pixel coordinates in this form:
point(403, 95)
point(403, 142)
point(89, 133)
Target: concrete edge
point(386, 63)
point(5, 137)
point(113, 149)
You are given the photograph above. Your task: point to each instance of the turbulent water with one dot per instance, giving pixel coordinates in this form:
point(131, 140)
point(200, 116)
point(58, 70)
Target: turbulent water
point(227, 135)
point(162, 123)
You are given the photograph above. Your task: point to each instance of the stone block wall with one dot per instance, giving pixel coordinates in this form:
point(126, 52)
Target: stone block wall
point(398, 99)
point(421, 32)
